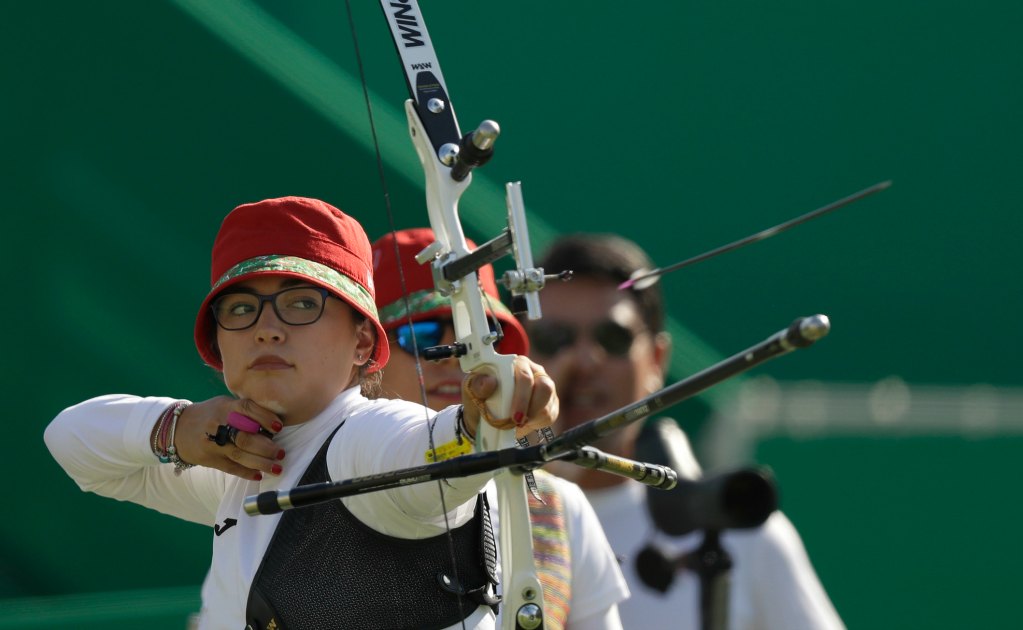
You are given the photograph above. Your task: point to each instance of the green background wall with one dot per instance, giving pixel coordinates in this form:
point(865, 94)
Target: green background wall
point(129, 129)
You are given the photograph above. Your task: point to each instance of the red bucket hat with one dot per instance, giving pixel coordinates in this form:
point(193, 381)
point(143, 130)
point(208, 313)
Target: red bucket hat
point(424, 301)
point(296, 237)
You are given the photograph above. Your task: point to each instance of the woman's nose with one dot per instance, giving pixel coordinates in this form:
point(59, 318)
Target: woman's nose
point(269, 327)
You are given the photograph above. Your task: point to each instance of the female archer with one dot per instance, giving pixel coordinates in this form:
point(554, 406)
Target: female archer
point(291, 323)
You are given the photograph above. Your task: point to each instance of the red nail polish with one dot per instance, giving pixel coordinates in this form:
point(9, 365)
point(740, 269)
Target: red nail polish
point(257, 477)
point(276, 469)
point(277, 426)
point(519, 421)
point(280, 454)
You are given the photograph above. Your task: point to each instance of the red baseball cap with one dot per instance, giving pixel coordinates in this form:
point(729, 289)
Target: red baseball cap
point(294, 237)
point(424, 301)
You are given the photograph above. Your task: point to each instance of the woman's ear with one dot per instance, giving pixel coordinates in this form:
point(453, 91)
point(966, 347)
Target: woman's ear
point(365, 342)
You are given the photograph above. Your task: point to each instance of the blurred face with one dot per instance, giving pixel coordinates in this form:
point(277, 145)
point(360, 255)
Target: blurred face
point(593, 342)
point(441, 379)
point(294, 371)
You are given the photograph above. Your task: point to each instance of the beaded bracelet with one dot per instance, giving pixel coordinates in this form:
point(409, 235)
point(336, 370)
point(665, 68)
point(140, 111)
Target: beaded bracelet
point(163, 440)
point(172, 451)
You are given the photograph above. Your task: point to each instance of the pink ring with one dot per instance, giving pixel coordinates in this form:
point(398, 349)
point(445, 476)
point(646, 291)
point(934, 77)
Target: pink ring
point(242, 422)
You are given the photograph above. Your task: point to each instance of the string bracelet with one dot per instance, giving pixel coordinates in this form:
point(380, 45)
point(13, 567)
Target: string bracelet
point(160, 433)
point(461, 428)
point(461, 445)
point(163, 440)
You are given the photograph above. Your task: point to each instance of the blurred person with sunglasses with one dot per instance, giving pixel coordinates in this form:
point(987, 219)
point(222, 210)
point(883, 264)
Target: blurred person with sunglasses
point(582, 581)
point(291, 325)
point(606, 349)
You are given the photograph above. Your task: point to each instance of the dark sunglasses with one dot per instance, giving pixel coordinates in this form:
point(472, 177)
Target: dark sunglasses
point(419, 336)
point(549, 337)
point(425, 333)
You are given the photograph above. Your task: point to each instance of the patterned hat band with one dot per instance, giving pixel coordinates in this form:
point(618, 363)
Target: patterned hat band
point(428, 301)
point(341, 284)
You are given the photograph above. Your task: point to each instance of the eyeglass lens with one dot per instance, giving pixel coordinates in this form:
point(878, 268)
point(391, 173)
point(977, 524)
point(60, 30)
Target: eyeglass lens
point(295, 306)
point(548, 338)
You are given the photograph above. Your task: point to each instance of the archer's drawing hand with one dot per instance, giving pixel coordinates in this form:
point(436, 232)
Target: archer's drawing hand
point(247, 455)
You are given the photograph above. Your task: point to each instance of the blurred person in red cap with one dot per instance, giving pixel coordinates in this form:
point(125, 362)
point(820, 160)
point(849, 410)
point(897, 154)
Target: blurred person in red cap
point(607, 348)
point(291, 323)
point(582, 581)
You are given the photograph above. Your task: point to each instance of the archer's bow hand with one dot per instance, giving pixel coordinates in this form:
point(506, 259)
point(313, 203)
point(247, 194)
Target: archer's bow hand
point(534, 404)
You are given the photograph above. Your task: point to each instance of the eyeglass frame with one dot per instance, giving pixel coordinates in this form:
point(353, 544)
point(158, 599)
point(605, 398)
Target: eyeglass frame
point(272, 299)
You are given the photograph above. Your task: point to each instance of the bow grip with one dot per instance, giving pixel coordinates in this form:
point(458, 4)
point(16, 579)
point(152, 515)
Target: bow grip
point(498, 406)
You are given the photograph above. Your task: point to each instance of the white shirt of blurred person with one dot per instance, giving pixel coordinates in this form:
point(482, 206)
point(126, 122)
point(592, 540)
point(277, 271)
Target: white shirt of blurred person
point(606, 349)
point(582, 581)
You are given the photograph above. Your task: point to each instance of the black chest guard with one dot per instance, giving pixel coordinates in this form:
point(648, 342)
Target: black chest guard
point(325, 569)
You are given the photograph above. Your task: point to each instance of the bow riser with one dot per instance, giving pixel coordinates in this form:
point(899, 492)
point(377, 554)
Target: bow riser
point(520, 584)
point(435, 135)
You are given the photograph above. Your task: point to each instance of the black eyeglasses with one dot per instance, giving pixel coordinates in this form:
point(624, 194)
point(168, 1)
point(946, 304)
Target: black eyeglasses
point(548, 338)
point(297, 306)
point(426, 333)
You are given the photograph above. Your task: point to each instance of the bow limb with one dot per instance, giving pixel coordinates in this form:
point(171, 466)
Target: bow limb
point(434, 131)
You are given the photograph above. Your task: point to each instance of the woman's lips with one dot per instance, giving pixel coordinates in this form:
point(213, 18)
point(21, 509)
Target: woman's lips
point(270, 362)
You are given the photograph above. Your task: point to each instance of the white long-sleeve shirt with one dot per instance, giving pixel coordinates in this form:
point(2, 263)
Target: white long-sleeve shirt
point(104, 444)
